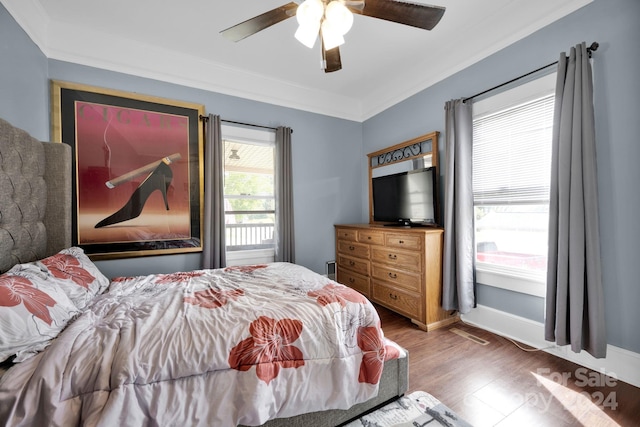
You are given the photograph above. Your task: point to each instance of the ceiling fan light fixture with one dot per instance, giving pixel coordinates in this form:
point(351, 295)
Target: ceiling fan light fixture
point(332, 19)
point(331, 37)
point(310, 12)
point(307, 34)
point(339, 16)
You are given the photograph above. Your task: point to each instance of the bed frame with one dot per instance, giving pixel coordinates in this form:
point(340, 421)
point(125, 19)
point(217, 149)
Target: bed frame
point(35, 222)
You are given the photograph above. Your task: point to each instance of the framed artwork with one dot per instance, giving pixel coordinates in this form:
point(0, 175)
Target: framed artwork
point(137, 178)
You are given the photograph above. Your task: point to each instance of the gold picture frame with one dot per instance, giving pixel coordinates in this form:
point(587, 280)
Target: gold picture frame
point(137, 170)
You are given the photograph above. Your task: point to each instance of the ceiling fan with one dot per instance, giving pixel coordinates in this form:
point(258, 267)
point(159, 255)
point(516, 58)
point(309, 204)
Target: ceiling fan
point(330, 20)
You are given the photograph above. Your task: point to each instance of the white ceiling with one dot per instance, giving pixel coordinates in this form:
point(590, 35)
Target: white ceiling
point(383, 62)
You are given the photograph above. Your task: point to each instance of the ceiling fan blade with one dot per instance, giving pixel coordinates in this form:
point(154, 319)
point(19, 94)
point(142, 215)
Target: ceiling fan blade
point(354, 4)
point(331, 59)
point(260, 22)
point(412, 14)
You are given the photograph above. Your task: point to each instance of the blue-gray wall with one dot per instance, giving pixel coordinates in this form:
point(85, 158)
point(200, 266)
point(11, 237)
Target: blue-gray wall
point(24, 99)
point(327, 185)
point(330, 154)
point(616, 64)
point(325, 179)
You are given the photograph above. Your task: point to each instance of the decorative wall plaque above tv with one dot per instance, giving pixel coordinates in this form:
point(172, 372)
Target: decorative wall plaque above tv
point(416, 159)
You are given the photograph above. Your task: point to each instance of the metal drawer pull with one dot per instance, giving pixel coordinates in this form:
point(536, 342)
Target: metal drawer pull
point(392, 256)
point(401, 242)
point(351, 280)
point(393, 297)
point(393, 275)
point(352, 263)
point(351, 248)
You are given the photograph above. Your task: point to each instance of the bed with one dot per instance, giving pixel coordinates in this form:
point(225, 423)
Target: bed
point(273, 344)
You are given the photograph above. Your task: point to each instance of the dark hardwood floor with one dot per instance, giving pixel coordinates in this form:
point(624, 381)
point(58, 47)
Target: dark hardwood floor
point(499, 384)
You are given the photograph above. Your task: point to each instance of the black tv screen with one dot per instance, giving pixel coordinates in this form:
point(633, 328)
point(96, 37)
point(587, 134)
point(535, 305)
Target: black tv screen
point(406, 198)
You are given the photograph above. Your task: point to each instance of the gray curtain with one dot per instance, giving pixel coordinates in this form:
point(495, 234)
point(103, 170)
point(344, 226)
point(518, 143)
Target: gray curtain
point(574, 304)
point(458, 278)
point(285, 244)
point(213, 242)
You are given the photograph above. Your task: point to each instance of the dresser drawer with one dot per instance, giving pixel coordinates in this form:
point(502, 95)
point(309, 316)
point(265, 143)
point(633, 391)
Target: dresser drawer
point(397, 278)
point(404, 241)
point(371, 237)
point(407, 303)
point(399, 268)
point(402, 260)
point(354, 264)
point(347, 234)
point(355, 281)
point(353, 249)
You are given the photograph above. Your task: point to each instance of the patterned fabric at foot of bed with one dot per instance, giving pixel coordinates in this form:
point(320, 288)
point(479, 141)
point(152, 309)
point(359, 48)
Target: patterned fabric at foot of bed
point(414, 410)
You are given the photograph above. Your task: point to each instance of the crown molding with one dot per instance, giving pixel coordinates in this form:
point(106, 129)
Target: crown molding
point(33, 19)
point(123, 55)
point(119, 55)
point(448, 63)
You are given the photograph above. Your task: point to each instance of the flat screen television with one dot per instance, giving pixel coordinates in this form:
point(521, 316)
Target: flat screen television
point(407, 198)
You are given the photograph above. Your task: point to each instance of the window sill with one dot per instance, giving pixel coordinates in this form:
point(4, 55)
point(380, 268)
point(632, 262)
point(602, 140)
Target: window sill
point(512, 280)
point(255, 256)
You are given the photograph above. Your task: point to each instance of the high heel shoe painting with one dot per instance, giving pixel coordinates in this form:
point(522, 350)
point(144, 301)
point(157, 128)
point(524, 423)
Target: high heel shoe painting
point(159, 179)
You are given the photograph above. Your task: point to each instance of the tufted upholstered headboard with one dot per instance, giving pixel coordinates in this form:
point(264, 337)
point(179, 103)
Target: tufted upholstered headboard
point(35, 197)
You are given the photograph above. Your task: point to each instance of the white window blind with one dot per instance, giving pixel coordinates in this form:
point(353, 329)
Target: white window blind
point(512, 154)
point(512, 133)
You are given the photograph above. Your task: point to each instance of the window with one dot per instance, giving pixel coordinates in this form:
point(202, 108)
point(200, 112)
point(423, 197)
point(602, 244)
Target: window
point(512, 135)
point(249, 194)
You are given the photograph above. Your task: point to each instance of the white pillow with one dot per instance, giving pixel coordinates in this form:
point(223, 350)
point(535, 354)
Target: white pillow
point(75, 274)
point(33, 311)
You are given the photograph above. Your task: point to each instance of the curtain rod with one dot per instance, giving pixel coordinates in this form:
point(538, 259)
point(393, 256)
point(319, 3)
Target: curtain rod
point(205, 118)
point(594, 46)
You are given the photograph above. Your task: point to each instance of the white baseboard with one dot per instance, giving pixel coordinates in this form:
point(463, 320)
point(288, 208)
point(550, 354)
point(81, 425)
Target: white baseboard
point(619, 363)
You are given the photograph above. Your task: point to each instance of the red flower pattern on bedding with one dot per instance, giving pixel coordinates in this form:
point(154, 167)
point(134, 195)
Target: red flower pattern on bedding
point(374, 354)
point(211, 298)
point(65, 266)
point(269, 348)
point(179, 277)
point(15, 290)
point(337, 293)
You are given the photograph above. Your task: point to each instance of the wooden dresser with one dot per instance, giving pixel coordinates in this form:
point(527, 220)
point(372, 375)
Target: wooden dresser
point(397, 267)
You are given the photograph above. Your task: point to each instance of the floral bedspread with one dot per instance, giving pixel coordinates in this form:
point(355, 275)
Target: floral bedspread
point(239, 345)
